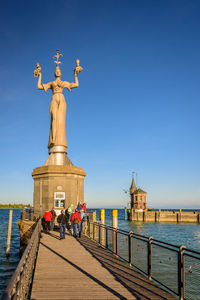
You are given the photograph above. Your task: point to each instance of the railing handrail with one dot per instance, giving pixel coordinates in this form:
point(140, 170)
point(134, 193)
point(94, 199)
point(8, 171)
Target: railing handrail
point(192, 251)
point(119, 230)
point(17, 273)
point(144, 237)
point(157, 242)
point(100, 235)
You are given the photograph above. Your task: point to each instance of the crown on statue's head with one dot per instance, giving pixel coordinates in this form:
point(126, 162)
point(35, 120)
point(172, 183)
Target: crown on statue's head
point(57, 56)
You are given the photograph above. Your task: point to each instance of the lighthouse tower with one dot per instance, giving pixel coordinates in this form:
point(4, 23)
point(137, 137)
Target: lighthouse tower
point(138, 197)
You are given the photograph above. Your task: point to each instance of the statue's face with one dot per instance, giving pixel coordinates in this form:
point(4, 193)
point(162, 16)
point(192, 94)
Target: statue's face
point(57, 73)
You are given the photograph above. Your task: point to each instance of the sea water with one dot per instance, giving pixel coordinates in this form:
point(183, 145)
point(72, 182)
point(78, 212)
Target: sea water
point(8, 265)
point(187, 234)
point(164, 261)
point(179, 234)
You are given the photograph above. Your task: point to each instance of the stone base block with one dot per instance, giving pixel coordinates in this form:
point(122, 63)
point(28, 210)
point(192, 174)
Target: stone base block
point(57, 185)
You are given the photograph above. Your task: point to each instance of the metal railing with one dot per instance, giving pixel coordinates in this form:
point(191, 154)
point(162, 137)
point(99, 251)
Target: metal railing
point(175, 268)
point(20, 283)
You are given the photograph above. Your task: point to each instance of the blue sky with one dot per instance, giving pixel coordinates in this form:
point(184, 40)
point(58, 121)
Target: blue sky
point(137, 106)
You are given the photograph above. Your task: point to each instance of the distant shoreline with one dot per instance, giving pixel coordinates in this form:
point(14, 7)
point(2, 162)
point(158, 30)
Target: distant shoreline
point(2, 206)
point(21, 206)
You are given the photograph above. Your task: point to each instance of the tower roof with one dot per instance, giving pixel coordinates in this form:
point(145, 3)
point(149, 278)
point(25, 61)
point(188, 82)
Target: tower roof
point(133, 187)
point(139, 191)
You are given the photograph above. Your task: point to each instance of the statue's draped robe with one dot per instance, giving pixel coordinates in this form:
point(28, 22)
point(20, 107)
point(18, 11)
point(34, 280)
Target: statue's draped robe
point(58, 109)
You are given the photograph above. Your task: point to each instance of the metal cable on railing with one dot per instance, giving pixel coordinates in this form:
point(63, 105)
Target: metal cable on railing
point(192, 273)
point(175, 268)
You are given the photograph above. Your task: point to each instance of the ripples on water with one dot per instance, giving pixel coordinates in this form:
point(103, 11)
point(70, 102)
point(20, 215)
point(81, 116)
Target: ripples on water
point(187, 234)
point(179, 234)
point(8, 265)
point(164, 261)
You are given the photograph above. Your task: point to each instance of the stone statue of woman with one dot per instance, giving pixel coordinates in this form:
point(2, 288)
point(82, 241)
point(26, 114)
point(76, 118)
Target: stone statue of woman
point(58, 105)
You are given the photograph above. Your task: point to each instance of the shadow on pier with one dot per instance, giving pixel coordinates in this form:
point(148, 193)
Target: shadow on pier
point(71, 269)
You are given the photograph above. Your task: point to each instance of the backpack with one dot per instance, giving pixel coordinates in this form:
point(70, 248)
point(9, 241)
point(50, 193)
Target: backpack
point(75, 221)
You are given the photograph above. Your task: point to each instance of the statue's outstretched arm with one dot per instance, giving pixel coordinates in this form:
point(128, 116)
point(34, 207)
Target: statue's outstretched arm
point(71, 85)
point(40, 86)
point(75, 83)
point(43, 86)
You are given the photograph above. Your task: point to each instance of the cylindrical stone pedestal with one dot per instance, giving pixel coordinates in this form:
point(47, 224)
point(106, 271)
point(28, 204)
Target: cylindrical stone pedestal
point(58, 155)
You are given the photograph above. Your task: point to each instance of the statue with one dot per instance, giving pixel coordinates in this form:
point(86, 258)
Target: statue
point(58, 105)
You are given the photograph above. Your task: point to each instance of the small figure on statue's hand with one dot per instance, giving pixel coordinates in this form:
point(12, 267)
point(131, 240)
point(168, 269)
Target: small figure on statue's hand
point(37, 70)
point(78, 68)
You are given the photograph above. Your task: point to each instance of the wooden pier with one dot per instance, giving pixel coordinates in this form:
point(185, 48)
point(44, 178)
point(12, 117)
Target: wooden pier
point(71, 269)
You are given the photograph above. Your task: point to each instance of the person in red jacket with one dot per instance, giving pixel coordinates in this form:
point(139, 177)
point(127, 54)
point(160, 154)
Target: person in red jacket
point(47, 218)
point(76, 223)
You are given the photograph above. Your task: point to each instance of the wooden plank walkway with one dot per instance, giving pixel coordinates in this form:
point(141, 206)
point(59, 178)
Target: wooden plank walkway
point(71, 269)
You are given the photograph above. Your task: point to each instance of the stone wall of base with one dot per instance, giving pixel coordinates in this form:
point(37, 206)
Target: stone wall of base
point(51, 179)
point(26, 229)
point(164, 216)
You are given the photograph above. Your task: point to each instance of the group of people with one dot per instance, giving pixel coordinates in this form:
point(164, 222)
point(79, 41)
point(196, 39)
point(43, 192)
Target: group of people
point(71, 218)
point(48, 220)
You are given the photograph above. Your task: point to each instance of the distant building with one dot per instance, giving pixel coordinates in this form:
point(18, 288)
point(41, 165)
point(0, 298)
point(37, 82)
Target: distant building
point(138, 197)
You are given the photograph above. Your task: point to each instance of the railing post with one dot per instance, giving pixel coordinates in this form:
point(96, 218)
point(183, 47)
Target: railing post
point(93, 231)
point(130, 248)
point(99, 233)
point(150, 257)
point(116, 241)
point(88, 226)
point(114, 233)
point(106, 236)
point(181, 272)
point(102, 230)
